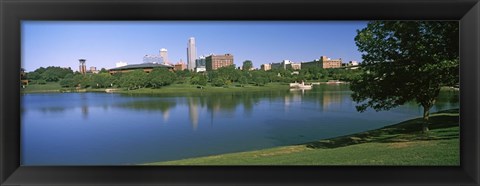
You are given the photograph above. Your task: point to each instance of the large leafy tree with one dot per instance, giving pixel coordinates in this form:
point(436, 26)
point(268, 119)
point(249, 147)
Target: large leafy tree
point(406, 61)
point(161, 77)
point(102, 80)
point(133, 80)
point(247, 65)
point(55, 73)
point(229, 73)
point(50, 73)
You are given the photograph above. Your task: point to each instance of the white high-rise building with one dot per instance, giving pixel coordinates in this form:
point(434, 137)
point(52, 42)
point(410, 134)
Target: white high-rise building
point(164, 55)
point(191, 54)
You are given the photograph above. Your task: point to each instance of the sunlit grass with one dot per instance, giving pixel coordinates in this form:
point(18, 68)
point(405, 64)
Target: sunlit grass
point(48, 87)
point(190, 89)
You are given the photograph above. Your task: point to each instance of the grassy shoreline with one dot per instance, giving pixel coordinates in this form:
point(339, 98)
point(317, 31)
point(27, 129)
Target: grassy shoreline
point(398, 144)
point(51, 87)
point(171, 89)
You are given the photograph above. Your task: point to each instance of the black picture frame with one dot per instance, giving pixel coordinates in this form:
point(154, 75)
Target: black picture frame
point(12, 12)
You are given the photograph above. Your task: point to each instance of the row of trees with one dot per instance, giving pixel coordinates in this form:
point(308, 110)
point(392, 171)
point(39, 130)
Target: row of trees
point(49, 74)
point(43, 75)
point(131, 80)
point(225, 76)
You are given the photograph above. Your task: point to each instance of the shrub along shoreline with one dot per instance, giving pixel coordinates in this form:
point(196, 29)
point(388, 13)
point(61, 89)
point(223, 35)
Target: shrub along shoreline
point(399, 144)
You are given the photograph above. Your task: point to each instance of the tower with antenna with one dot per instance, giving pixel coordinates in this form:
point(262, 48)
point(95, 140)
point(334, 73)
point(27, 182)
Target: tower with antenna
point(82, 66)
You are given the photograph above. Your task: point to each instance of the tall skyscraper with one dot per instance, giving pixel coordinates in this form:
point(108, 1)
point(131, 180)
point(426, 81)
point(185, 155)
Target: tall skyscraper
point(164, 55)
point(191, 54)
point(82, 67)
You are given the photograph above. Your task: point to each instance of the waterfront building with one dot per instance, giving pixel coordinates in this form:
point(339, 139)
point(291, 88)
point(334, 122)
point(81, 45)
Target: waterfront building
point(180, 66)
point(314, 63)
point(191, 54)
point(82, 66)
point(286, 64)
point(200, 64)
point(352, 63)
point(93, 70)
point(266, 67)
point(146, 67)
point(278, 65)
point(331, 63)
point(164, 55)
point(295, 66)
point(323, 62)
point(213, 62)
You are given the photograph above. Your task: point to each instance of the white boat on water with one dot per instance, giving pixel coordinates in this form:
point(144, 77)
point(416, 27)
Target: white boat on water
point(300, 85)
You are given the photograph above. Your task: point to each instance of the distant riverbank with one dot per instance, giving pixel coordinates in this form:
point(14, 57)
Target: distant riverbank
point(398, 144)
point(171, 89)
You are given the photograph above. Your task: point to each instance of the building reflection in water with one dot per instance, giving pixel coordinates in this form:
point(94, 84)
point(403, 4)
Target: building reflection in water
point(193, 112)
point(84, 102)
point(295, 97)
point(227, 105)
point(166, 115)
point(331, 99)
point(156, 106)
point(224, 105)
point(328, 97)
point(85, 111)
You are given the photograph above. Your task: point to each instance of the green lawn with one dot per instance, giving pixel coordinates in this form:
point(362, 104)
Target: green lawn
point(37, 88)
point(399, 144)
point(187, 88)
point(170, 89)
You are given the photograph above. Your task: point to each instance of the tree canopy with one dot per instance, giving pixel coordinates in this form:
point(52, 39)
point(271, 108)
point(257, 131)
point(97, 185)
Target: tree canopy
point(50, 74)
point(405, 61)
point(247, 65)
point(161, 77)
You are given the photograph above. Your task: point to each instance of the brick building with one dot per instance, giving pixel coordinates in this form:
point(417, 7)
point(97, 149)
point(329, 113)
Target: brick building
point(324, 62)
point(213, 62)
point(266, 67)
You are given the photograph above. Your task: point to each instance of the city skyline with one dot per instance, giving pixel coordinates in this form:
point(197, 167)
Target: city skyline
point(105, 43)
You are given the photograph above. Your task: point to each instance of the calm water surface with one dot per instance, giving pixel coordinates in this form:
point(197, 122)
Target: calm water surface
point(115, 129)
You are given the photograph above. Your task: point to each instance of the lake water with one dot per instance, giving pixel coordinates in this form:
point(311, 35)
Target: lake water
point(116, 129)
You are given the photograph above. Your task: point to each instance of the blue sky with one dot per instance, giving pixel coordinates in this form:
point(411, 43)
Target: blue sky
point(104, 43)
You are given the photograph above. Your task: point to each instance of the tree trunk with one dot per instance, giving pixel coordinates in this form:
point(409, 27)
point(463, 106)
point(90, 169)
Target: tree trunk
point(426, 114)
